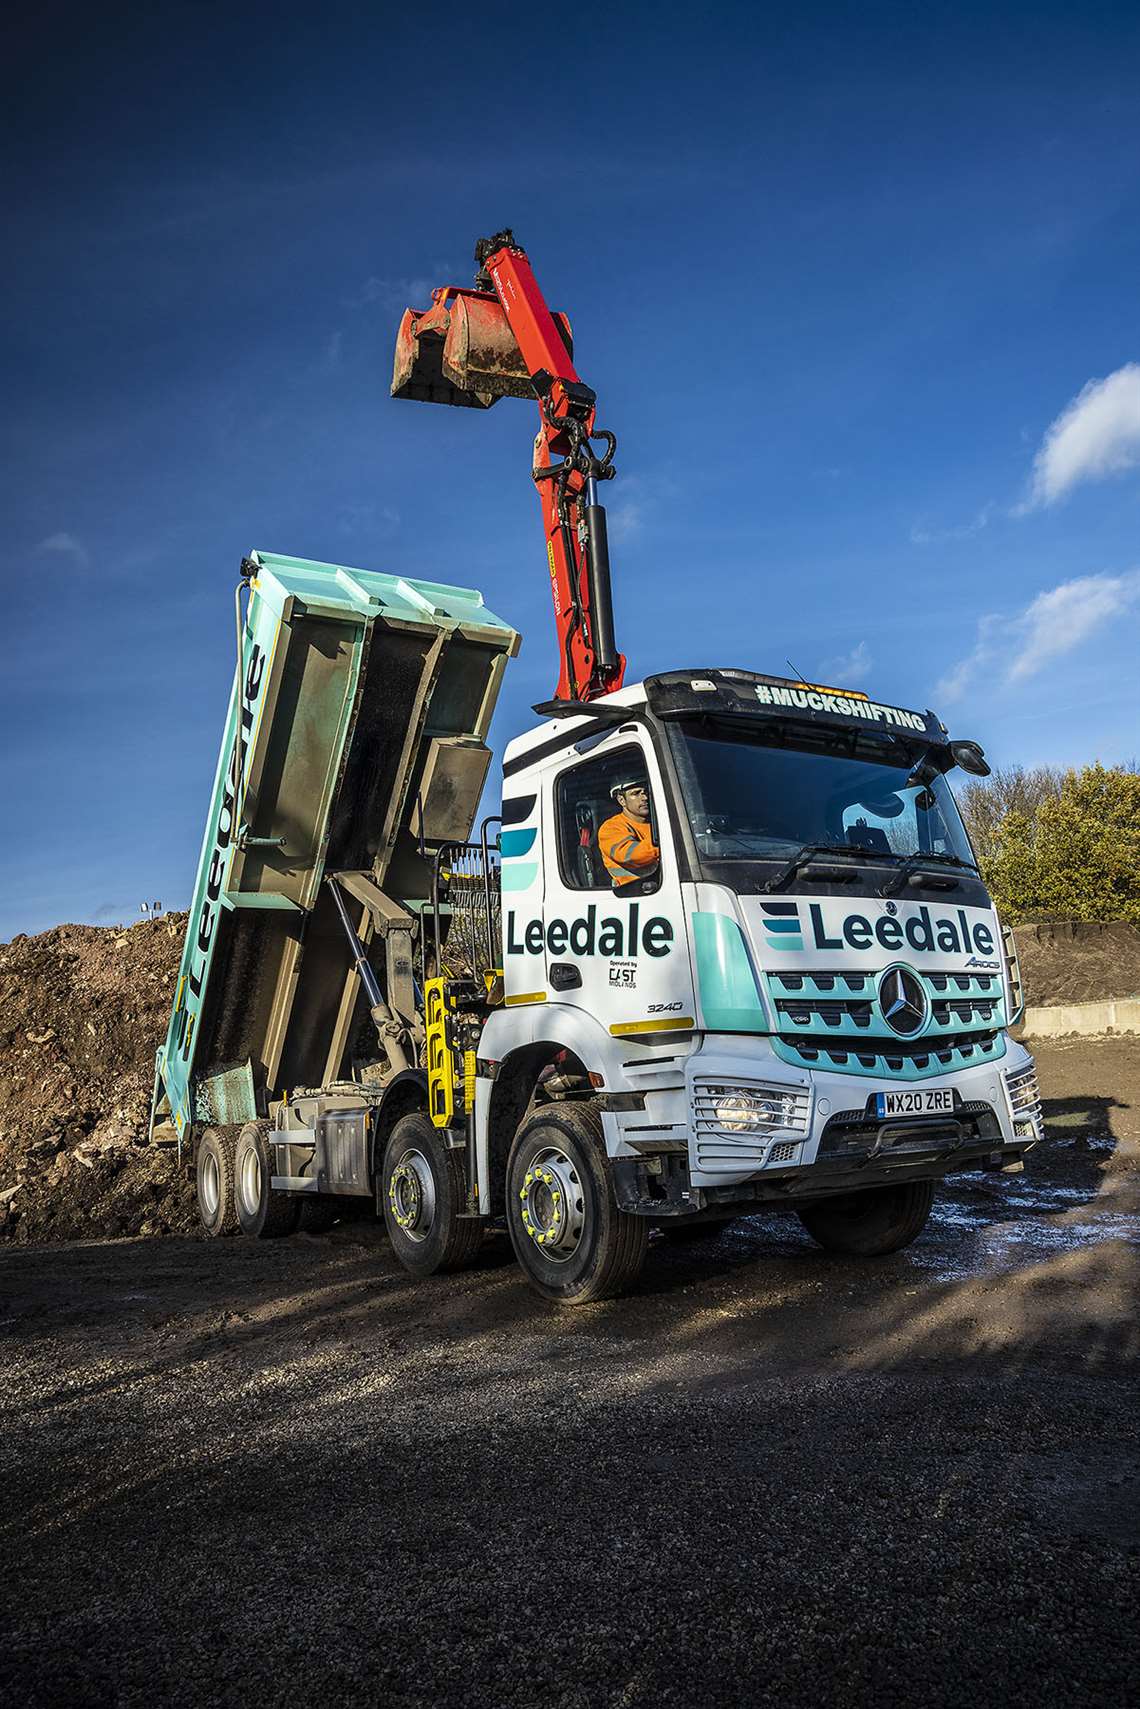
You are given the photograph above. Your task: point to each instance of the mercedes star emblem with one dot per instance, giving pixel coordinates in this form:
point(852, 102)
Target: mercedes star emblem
point(903, 1001)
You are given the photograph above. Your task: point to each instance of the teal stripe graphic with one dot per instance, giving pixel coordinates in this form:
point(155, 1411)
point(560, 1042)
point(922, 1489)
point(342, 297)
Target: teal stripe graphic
point(517, 842)
point(519, 875)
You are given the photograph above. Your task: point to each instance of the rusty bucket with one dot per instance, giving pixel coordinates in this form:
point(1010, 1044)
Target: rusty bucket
point(462, 351)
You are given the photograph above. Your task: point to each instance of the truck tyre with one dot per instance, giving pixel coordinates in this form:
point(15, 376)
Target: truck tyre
point(573, 1243)
point(873, 1222)
point(214, 1181)
point(423, 1190)
point(260, 1211)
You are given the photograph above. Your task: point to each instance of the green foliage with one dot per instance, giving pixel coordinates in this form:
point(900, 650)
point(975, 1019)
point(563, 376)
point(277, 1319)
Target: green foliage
point(986, 804)
point(1059, 846)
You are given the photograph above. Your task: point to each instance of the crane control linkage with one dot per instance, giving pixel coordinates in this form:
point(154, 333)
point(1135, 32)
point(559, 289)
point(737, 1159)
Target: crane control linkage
point(500, 339)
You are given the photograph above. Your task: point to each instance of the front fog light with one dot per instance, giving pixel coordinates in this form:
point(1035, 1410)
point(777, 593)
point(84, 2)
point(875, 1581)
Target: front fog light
point(740, 1111)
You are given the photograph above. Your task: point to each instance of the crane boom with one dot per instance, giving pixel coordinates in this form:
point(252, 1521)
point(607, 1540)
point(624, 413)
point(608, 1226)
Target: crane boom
point(502, 340)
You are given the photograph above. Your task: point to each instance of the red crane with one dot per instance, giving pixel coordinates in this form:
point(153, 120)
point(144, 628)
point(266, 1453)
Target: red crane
point(499, 339)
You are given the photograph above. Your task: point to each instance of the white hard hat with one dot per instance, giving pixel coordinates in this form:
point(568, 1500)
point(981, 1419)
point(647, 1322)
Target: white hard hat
point(627, 782)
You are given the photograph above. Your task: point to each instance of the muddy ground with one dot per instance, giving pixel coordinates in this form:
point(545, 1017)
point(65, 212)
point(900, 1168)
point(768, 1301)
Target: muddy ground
point(283, 1473)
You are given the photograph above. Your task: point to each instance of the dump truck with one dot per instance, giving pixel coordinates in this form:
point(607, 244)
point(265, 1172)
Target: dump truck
point(724, 945)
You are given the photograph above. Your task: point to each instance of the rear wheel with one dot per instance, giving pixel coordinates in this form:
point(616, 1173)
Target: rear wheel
point(572, 1241)
point(873, 1222)
point(214, 1182)
point(423, 1191)
point(260, 1210)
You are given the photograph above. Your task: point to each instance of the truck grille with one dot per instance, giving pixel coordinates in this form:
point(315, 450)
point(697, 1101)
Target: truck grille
point(835, 1020)
point(899, 1060)
point(823, 1003)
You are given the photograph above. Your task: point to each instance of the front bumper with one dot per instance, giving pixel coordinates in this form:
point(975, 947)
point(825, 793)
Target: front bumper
point(837, 1142)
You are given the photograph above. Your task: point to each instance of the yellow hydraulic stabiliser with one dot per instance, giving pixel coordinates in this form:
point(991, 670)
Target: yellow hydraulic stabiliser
point(441, 1066)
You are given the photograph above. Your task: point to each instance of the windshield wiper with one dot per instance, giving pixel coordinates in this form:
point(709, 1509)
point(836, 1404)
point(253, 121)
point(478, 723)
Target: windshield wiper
point(915, 863)
point(809, 852)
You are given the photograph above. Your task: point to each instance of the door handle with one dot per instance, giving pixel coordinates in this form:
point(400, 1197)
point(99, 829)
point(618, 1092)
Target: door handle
point(564, 976)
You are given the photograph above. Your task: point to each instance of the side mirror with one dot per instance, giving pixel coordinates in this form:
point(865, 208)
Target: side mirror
point(971, 758)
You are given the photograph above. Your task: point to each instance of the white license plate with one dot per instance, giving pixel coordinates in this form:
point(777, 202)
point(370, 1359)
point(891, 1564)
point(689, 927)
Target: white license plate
point(920, 1103)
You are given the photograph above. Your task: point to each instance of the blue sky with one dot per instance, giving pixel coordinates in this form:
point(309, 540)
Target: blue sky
point(847, 280)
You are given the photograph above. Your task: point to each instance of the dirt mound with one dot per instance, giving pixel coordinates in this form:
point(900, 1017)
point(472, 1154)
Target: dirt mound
point(1078, 961)
point(82, 1009)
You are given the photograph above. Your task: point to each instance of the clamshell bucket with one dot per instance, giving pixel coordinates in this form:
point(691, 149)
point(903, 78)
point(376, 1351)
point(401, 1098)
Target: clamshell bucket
point(462, 351)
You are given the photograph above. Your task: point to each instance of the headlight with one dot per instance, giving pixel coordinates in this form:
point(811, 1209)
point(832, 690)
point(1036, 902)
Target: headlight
point(753, 1109)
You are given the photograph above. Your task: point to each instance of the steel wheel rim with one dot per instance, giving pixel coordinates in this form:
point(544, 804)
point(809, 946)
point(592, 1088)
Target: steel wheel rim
point(411, 1195)
point(552, 1204)
point(249, 1179)
point(210, 1190)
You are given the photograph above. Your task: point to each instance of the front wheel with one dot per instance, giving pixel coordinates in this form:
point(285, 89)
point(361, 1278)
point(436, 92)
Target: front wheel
point(571, 1239)
point(873, 1222)
point(423, 1192)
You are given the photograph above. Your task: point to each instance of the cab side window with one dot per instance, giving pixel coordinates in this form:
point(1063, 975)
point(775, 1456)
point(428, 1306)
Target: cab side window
point(607, 825)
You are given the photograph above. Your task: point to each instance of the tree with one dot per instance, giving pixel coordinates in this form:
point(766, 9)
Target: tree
point(1066, 853)
point(987, 804)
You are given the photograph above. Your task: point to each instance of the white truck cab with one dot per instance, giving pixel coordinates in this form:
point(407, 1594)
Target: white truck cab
point(810, 996)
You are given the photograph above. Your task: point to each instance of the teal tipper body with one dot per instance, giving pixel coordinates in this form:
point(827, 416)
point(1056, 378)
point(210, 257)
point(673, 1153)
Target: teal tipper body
point(348, 681)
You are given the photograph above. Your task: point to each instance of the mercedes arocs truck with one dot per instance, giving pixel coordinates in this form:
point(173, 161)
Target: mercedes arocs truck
point(725, 946)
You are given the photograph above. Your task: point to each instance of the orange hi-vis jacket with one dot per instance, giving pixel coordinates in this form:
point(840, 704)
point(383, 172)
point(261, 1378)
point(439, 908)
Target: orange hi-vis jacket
point(628, 850)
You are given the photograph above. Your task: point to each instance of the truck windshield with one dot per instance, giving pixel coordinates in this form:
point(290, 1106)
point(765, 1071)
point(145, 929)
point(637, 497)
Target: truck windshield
point(749, 799)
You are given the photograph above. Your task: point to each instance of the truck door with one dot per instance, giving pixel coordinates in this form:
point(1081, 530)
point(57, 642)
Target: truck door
point(614, 925)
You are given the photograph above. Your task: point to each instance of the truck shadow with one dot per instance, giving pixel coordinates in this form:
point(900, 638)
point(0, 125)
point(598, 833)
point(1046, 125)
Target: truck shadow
point(1005, 1268)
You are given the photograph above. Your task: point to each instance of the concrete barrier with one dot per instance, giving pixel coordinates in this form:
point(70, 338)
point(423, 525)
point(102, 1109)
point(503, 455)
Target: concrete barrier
point(1088, 1020)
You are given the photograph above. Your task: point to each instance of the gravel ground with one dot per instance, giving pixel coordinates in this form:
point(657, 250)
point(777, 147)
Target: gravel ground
point(283, 1473)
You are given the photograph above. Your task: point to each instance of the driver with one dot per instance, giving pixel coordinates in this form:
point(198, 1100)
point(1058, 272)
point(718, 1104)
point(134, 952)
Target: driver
point(626, 840)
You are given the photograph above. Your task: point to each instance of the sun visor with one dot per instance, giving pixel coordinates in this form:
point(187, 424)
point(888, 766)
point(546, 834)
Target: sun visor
point(749, 693)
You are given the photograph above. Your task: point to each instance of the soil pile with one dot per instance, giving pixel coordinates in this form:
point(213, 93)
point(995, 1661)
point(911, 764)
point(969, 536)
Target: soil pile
point(1078, 961)
point(82, 1009)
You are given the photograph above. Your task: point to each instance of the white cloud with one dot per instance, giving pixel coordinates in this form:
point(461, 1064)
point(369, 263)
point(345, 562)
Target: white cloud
point(1096, 435)
point(379, 521)
point(624, 521)
point(408, 293)
point(68, 546)
point(1052, 624)
point(854, 664)
point(626, 510)
point(922, 536)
